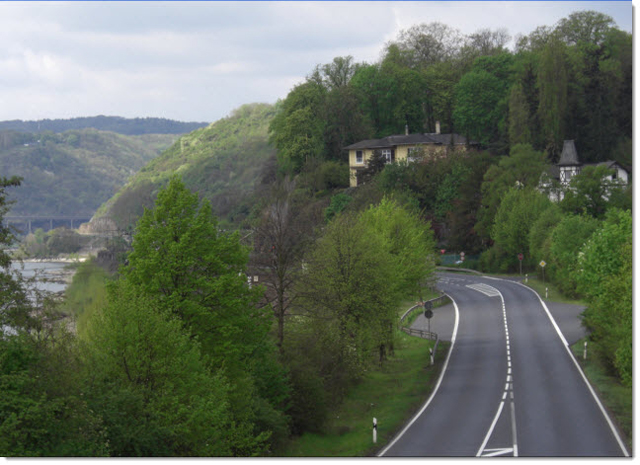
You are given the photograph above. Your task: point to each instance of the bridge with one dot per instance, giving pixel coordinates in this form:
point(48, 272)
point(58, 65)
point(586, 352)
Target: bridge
point(46, 222)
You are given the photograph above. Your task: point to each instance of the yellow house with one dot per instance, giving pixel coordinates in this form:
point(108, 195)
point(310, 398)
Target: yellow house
point(402, 147)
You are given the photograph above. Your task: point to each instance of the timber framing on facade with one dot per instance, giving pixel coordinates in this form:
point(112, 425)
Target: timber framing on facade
point(557, 179)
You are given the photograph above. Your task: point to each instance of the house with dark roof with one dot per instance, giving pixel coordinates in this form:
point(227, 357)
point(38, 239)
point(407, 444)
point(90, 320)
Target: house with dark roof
point(403, 147)
point(557, 179)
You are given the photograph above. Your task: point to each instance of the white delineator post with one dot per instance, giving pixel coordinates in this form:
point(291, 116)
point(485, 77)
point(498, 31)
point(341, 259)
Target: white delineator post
point(375, 430)
point(431, 356)
point(585, 350)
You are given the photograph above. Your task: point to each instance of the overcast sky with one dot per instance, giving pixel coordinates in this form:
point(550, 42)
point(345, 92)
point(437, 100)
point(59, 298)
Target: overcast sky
point(198, 61)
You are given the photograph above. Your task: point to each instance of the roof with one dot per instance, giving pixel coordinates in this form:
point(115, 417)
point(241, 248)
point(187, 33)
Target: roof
point(569, 154)
point(410, 139)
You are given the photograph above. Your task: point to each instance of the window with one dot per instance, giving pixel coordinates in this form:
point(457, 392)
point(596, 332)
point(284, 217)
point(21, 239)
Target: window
point(388, 154)
point(413, 154)
point(359, 157)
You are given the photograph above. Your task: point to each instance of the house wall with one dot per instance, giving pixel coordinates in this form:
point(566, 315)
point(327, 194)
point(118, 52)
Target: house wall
point(401, 153)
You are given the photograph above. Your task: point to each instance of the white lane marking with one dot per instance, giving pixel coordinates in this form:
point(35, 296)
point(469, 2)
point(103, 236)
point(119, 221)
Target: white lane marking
point(514, 435)
point(435, 390)
point(593, 393)
point(487, 290)
point(508, 386)
point(497, 452)
point(493, 425)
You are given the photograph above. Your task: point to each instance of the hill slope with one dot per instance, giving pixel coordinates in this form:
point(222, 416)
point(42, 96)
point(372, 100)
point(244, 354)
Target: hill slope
point(126, 126)
point(223, 162)
point(72, 173)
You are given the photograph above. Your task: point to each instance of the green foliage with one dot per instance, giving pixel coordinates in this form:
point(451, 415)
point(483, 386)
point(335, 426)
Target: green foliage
point(42, 410)
point(589, 192)
point(516, 215)
point(224, 162)
point(74, 172)
point(408, 239)
point(197, 273)
point(540, 233)
point(86, 294)
point(337, 205)
point(567, 240)
point(347, 302)
point(606, 279)
point(481, 98)
point(126, 126)
point(522, 167)
point(150, 382)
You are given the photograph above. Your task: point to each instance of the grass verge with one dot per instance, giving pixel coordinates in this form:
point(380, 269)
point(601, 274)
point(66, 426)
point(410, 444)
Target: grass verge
point(554, 295)
point(617, 398)
point(391, 394)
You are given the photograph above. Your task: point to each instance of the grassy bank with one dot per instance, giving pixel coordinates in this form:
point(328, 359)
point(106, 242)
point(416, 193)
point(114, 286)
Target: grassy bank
point(391, 394)
point(554, 295)
point(618, 399)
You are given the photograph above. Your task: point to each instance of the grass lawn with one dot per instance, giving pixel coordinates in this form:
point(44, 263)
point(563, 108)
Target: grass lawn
point(391, 394)
point(618, 399)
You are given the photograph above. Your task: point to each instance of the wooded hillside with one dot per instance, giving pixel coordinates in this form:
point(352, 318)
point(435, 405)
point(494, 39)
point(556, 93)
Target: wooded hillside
point(74, 172)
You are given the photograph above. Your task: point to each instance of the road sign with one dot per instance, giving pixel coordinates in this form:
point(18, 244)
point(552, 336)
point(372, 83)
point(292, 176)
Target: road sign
point(543, 263)
point(520, 256)
point(428, 305)
point(428, 314)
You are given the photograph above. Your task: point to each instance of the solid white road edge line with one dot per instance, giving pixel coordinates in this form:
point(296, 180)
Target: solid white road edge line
point(575, 362)
point(435, 390)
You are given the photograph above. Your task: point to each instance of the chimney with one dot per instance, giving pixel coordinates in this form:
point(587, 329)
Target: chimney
point(437, 127)
point(406, 129)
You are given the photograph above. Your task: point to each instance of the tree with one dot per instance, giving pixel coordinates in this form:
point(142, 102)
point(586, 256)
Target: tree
point(584, 26)
point(567, 239)
point(606, 279)
point(15, 307)
point(374, 165)
point(589, 192)
point(151, 383)
point(519, 117)
point(522, 167)
point(350, 288)
point(517, 213)
point(281, 238)
point(553, 85)
point(197, 273)
point(481, 97)
point(408, 239)
point(423, 45)
point(296, 130)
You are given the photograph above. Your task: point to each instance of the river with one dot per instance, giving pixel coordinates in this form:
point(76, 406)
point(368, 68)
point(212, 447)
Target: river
point(51, 276)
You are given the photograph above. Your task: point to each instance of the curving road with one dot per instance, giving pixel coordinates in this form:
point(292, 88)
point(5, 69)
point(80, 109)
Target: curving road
point(509, 387)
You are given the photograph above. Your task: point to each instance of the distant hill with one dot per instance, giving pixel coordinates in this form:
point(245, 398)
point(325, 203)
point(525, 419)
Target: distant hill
point(74, 172)
point(225, 162)
point(117, 124)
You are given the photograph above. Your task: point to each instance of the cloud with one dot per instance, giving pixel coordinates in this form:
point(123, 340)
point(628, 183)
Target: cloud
point(200, 60)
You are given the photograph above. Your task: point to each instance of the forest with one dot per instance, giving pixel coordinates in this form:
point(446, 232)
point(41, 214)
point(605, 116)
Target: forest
point(117, 124)
point(173, 347)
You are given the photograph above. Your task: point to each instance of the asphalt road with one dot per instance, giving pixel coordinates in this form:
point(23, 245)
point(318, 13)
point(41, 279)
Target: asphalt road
point(510, 386)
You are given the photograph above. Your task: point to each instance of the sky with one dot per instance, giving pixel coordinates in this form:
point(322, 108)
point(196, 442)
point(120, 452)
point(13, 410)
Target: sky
point(198, 61)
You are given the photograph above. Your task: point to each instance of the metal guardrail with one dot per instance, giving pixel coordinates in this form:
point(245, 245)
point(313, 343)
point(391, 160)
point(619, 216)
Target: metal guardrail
point(435, 302)
point(420, 332)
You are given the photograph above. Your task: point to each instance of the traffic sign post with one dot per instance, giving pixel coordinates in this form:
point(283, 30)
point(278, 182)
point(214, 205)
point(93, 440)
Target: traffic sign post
point(428, 313)
point(543, 264)
point(520, 257)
